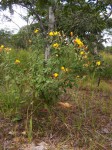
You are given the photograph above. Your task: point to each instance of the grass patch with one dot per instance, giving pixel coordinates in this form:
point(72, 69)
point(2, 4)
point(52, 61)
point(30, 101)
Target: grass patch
point(107, 73)
point(83, 121)
point(85, 125)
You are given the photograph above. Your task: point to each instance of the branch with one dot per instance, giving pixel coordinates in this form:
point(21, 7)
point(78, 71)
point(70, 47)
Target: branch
point(40, 21)
point(37, 16)
point(7, 17)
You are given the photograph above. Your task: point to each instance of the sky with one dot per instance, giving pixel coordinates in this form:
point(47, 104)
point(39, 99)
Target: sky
point(108, 38)
point(17, 22)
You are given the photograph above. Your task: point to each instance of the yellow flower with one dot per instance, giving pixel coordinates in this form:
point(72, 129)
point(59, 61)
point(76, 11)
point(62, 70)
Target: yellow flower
point(78, 41)
point(17, 61)
point(51, 33)
point(71, 33)
point(55, 75)
point(2, 46)
point(36, 31)
point(63, 68)
point(98, 63)
point(55, 45)
point(56, 33)
point(81, 53)
point(56, 55)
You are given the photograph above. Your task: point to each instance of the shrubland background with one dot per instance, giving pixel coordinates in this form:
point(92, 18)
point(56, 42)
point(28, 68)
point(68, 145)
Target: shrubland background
point(56, 76)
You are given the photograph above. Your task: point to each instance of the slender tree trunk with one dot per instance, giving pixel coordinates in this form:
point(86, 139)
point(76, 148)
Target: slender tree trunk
point(51, 25)
point(50, 28)
point(51, 19)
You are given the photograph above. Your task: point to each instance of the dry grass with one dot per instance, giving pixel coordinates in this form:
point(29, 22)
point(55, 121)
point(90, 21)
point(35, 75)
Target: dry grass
point(85, 125)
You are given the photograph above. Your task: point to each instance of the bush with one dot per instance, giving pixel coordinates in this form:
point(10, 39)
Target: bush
point(27, 74)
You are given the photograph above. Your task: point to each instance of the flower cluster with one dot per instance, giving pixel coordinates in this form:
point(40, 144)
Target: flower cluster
point(64, 69)
point(78, 42)
point(52, 33)
point(85, 58)
point(6, 49)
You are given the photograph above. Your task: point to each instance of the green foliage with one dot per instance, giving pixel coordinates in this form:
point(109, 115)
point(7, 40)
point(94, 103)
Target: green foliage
point(107, 73)
point(30, 84)
point(82, 17)
point(5, 37)
point(108, 49)
point(23, 38)
point(27, 77)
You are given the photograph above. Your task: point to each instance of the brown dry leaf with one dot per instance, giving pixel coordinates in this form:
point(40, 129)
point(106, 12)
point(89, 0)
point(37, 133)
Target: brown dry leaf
point(65, 105)
point(23, 133)
point(16, 139)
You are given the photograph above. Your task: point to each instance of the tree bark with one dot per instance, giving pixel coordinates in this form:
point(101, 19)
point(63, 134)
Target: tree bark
point(50, 28)
point(51, 19)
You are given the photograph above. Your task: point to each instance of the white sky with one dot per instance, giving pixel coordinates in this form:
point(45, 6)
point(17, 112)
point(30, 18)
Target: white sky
point(108, 38)
point(17, 22)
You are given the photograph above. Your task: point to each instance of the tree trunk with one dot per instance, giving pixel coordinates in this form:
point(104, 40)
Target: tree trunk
point(51, 19)
point(50, 28)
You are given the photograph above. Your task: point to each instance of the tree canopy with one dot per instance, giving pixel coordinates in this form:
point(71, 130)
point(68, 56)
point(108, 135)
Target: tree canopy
point(86, 18)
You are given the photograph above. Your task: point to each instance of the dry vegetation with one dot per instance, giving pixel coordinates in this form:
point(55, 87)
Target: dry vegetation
point(84, 124)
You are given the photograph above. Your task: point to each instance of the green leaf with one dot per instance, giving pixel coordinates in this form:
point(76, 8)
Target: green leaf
point(17, 118)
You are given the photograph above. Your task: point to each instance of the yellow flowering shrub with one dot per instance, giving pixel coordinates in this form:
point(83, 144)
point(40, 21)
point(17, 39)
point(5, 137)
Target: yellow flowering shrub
point(68, 63)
